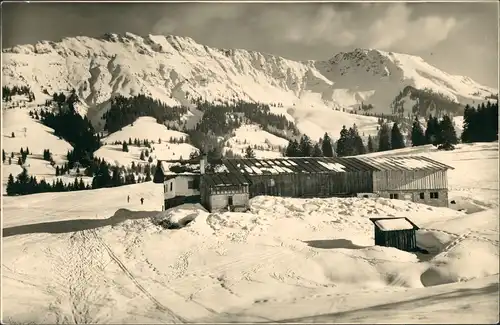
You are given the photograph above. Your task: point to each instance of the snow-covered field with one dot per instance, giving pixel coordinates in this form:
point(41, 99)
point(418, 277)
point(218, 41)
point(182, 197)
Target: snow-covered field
point(92, 257)
point(264, 144)
point(144, 128)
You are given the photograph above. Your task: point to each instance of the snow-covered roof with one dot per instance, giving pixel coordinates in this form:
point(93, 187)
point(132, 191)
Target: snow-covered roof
point(291, 165)
point(391, 224)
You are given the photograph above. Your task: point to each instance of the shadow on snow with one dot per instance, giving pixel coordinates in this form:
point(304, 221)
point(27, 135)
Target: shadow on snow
point(67, 226)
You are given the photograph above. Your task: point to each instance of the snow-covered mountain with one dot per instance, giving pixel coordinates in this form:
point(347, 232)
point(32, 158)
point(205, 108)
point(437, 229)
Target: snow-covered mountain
point(176, 69)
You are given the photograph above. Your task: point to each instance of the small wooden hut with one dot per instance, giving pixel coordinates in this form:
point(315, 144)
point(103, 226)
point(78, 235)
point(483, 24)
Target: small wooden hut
point(399, 233)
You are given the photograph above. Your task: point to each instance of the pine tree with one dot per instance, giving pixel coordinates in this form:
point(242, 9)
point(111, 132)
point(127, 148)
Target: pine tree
point(13, 135)
point(292, 150)
point(448, 134)
point(148, 177)
point(4, 157)
point(369, 146)
point(11, 155)
point(10, 161)
point(359, 145)
point(129, 141)
point(343, 143)
point(316, 151)
point(11, 186)
point(417, 134)
point(397, 139)
point(432, 131)
point(249, 153)
point(58, 171)
point(142, 156)
point(384, 138)
point(305, 147)
point(326, 146)
point(125, 147)
point(20, 161)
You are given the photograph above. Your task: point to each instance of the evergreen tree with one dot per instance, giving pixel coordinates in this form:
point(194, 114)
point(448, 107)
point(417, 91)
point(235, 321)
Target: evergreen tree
point(4, 157)
point(305, 146)
point(316, 151)
point(142, 156)
point(370, 147)
point(11, 155)
point(343, 143)
point(11, 186)
point(58, 171)
point(249, 153)
point(432, 131)
point(125, 147)
point(327, 146)
point(448, 134)
point(292, 150)
point(397, 139)
point(10, 161)
point(20, 161)
point(129, 141)
point(417, 134)
point(384, 138)
point(148, 177)
point(13, 135)
point(359, 146)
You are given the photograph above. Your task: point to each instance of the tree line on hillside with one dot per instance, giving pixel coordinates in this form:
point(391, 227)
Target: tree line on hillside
point(124, 111)
point(8, 92)
point(73, 128)
point(104, 176)
point(480, 123)
point(440, 133)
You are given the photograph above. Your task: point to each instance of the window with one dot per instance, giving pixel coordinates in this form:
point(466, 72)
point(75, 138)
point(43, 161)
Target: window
point(434, 195)
point(165, 188)
point(422, 196)
point(171, 186)
point(229, 200)
point(394, 196)
point(190, 184)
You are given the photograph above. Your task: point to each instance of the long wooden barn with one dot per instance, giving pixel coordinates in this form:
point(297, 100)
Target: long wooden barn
point(413, 178)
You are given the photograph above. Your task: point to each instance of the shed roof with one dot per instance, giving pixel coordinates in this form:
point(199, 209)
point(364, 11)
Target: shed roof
point(291, 165)
point(402, 163)
point(392, 224)
point(225, 179)
point(252, 166)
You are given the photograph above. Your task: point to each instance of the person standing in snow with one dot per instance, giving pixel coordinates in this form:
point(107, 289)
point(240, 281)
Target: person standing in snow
point(128, 198)
point(142, 200)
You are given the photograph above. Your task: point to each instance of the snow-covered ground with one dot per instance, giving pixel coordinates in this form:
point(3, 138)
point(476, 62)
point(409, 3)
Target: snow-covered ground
point(264, 144)
point(92, 257)
point(144, 128)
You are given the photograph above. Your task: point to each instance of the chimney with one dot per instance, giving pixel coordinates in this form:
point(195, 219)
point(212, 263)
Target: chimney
point(203, 163)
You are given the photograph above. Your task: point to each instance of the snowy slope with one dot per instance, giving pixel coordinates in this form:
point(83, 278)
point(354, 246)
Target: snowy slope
point(287, 259)
point(176, 69)
point(264, 144)
point(30, 133)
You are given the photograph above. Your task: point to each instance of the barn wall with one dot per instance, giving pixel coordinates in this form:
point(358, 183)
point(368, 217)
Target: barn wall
point(218, 202)
point(414, 195)
point(311, 184)
point(409, 180)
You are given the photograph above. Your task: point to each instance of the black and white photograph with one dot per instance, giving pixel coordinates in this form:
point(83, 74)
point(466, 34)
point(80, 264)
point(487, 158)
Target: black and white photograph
point(250, 162)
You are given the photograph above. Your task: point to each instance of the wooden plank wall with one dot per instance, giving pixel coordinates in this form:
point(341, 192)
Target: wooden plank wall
point(311, 184)
point(406, 180)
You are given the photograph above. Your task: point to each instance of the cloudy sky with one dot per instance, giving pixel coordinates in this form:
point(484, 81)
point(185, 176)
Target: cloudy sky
point(460, 38)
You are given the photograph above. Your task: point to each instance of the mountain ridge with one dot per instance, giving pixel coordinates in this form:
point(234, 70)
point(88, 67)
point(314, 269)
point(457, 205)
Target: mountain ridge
point(176, 70)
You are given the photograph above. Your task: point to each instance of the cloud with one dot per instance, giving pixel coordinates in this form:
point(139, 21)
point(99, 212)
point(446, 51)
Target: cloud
point(397, 29)
point(382, 26)
point(196, 16)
